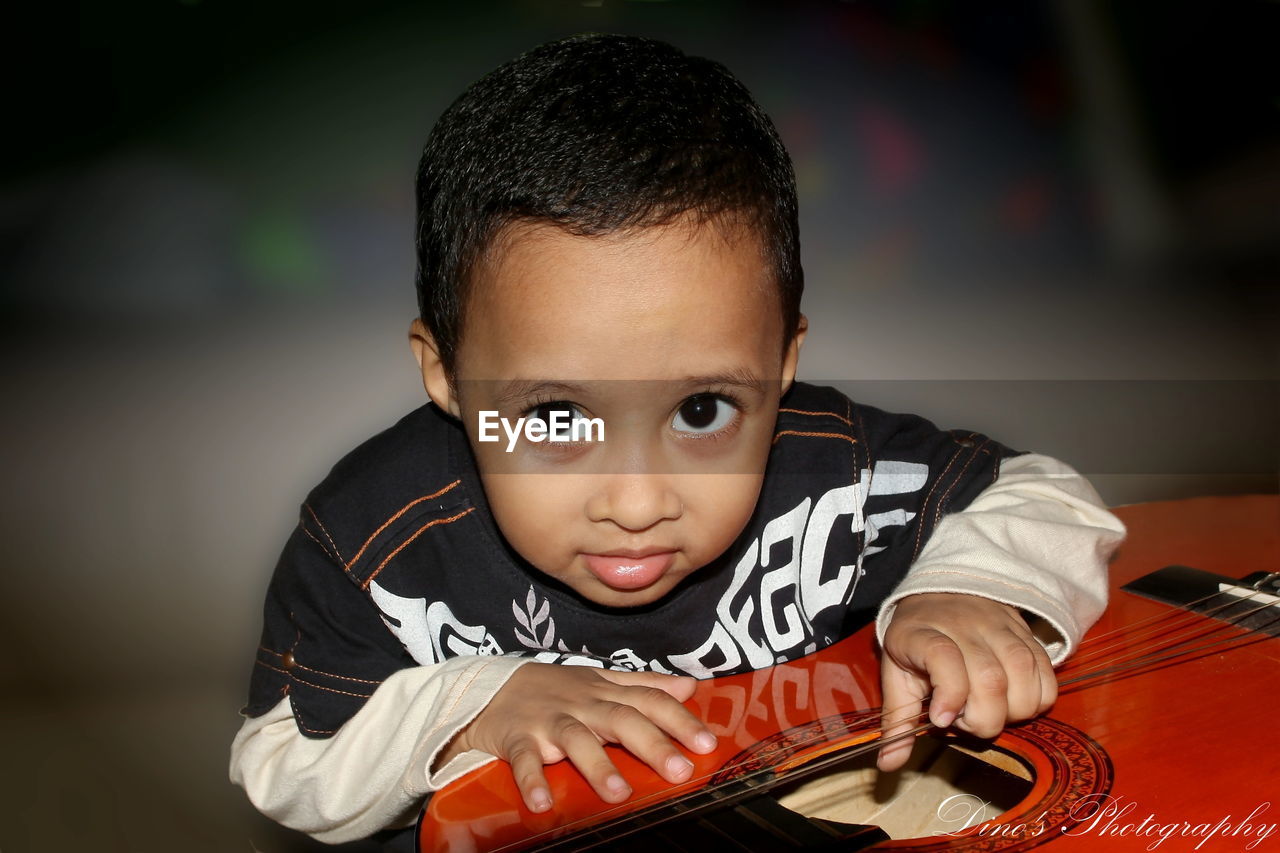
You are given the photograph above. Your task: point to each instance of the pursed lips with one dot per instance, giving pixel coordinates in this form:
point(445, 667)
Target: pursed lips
point(628, 568)
point(632, 553)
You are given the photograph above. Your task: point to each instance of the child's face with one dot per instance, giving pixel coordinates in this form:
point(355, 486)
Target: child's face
point(672, 337)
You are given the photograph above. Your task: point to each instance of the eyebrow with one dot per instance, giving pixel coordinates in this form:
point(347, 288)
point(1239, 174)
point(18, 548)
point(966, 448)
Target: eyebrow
point(739, 378)
point(519, 390)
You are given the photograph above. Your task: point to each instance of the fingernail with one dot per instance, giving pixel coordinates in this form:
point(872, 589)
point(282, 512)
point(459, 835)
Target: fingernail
point(617, 784)
point(705, 742)
point(539, 800)
point(944, 719)
point(678, 767)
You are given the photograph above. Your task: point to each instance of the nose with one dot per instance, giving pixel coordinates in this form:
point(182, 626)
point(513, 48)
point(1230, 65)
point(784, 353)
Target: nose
point(635, 502)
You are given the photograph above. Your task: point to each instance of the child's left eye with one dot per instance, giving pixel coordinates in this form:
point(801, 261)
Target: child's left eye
point(703, 414)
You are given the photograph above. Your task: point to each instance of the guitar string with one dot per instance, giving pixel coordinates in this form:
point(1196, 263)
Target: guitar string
point(1186, 617)
point(764, 779)
point(1185, 633)
point(1193, 626)
point(1252, 635)
point(1087, 649)
point(1183, 609)
point(646, 817)
point(1153, 653)
point(1163, 652)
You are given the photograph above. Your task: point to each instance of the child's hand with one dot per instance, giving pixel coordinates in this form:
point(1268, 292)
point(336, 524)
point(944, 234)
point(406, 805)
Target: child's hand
point(977, 656)
point(548, 712)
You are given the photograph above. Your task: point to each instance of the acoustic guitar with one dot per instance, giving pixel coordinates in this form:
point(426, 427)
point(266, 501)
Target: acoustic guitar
point(1163, 736)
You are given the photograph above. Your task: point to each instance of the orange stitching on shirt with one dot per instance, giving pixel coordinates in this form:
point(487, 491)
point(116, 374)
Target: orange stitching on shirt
point(860, 433)
point(297, 718)
point(946, 496)
point(925, 503)
point(334, 675)
point(402, 545)
point(986, 579)
point(401, 512)
point(324, 530)
point(289, 675)
point(818, 415)
point(311, 669)
point(330, 689)
point(310, 730)
point(326, 551)
point(273, 668)
point(440, 721)
point(847, 438)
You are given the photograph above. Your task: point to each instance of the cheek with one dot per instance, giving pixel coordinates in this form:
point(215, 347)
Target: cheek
point(721, 503)
point(724, 504)
point(531, 510)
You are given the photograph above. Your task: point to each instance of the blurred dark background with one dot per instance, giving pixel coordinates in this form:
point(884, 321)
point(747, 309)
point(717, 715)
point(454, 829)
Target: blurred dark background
point(1058, 222)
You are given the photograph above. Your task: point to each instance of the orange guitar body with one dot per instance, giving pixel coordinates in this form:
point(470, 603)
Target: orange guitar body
point(1168, 753)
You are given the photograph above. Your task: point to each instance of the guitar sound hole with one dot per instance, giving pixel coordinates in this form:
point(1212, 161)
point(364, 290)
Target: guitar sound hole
point(949, 785)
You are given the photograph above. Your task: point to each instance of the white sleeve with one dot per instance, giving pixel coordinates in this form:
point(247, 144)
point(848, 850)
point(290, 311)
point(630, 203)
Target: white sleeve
point(1038, 539)
point(375, 771)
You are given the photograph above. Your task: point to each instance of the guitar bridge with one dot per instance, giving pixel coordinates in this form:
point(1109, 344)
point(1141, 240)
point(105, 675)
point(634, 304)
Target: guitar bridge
point(1251, 602)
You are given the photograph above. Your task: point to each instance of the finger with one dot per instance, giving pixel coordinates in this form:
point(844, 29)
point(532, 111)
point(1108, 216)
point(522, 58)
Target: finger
point(937, 657)
point(1046, 677)
point(670, 716)
point(525, 758)
point(1048, 680)
point(987, 706)
point(1021, 660)
point(903, 693)
point(628, 726)
point(679, 687)
point(581, 747)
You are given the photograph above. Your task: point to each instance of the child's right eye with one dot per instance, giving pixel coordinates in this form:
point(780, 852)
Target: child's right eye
point(566, 414)
point(544, 411)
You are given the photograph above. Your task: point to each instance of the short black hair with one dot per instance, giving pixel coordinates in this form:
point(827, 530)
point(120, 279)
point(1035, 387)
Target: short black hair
point(597, 133)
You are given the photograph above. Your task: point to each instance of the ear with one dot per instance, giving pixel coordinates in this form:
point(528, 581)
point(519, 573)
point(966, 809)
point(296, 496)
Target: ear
point(792, 356)
point(434, 377)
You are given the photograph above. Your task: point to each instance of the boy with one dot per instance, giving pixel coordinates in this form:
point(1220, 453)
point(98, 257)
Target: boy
point(608, 236)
